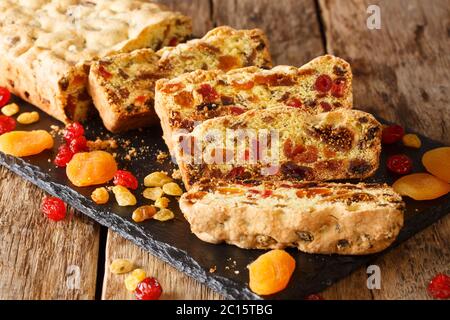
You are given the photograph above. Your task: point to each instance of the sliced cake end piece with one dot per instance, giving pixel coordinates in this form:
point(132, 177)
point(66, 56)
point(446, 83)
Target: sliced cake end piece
point(281, 143)
point(323, 84)
point(123, 86)
point(326, 218)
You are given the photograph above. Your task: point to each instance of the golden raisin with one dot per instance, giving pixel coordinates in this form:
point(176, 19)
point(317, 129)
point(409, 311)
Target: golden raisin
point(271, 272)
point(437, 162)
point(172, 189)
point(156, 179)
point(28, 117)
point(421, 186)
point(162, 202)
point(143, 213)
point(133, 279)
point(164, 215)
point(10, 109)
point(25, 143)
point(119, 266)
point(153, 193)
point(100, 195)
point(124, 197)
point(91, 168)
point(412, 141)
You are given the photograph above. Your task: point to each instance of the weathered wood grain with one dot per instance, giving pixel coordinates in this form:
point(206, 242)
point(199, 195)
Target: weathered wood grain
point(400, 71)
point(291, 25)
point(41, 259)
point(175, 284)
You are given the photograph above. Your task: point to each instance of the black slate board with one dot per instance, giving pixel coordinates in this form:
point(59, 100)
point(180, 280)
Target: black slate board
point(173, 242)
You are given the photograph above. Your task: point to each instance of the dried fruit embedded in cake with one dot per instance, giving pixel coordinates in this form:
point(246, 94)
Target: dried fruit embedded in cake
point(439, 287)
point(148, 289)
point(157, 179)
point(120, 266)
point(25, 143)
point(100, 195)
point(323, 83)
point(132, 280)
point(399, 164)
point(5, 95)
point(10, 109)
point(172, 189)
point(162, 202)
point(338, 88)
point(392, 134)
point(164, 215)
point(412, 140)
point(63, 156)
point(208, 93)
point(7, 124)
point(153, 193)
point(28, 117)
point(143, 213)
point(437, 162)
point(126, 179)
point(124, 197)
point(54, 208)
point(73, 131)
point(421, 186)
point(91, 168)
point(270, 273)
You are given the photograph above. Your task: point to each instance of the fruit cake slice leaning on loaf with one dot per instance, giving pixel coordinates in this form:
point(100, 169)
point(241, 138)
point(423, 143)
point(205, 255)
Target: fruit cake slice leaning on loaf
point(315, 217)
point(323, 84)
point(123, 86)
point(281, 143)
point(48, 45)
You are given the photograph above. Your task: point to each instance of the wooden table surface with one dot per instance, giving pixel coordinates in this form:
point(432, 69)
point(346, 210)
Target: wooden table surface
point(400, 73)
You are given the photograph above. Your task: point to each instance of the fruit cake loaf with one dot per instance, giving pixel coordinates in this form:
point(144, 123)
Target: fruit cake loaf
point(315, 217)
point(281, 143)
point(323, 84)
point(47, 45)
point(123, 86)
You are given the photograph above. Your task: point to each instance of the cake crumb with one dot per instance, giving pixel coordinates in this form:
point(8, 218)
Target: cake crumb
point(161, 156)
point(99, 144)
point(176, 174)
point(236, 272)
point(213, 269)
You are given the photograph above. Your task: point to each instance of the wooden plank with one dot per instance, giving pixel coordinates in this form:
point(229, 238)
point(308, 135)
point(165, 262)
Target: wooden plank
point(401, 70)
point(291, 25)
point(353, 287)
point(41, 259)
point(176, 285)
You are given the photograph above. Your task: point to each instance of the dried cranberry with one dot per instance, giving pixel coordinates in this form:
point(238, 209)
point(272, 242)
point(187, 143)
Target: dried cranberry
point(400, 164)
point(314, 297)
point(148, 289)
point(104, 73)
point(208, 93)
point(266, 193)
point(73, 131)
point(126, 179)
point(392, 134)
point(236, 110)
point(294, 103)
point(236, 172)
point(325, 106)
point(323, 83)
point(53, 208)
point(5, 95)
point(338, 88)
point(63, 156)
point(173, 42)
point(7, 124)
point(439, 287)
point(78, 144)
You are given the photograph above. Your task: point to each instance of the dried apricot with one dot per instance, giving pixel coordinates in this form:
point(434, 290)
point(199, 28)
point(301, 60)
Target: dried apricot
point(91, 168)
point(25, 143)
point(437, 162)
point(270, 273)
point(421, 186)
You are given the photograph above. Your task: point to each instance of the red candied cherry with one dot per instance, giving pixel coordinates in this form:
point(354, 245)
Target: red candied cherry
point(148, 289)
point(323, 83)
point(54, 208)
point(73, 131)
point(78, 144)
point(236, 110)
point(64, 156)
point(325, 106)
point(5, 95)
point(338, 88)
point(400, 164)
point(294, 103)
point(208, 93)
point(392, 134)
point(439, 286)
point(314, 297)
point(7, 124)
point(126, 179)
